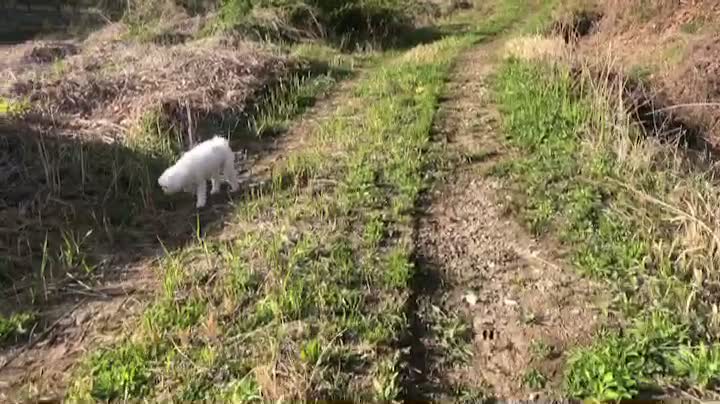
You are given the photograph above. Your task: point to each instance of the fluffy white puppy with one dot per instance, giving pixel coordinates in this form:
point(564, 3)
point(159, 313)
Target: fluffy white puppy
point(210, 160)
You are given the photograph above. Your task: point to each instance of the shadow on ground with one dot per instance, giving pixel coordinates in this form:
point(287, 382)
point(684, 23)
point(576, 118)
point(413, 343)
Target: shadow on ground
point(75, 209)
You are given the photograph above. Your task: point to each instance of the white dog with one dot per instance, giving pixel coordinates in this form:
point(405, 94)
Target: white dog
point(206, 161)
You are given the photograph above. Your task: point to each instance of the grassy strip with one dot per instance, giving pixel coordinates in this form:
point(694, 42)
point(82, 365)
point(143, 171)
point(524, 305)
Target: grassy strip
point(304, 296)
point(630, 211)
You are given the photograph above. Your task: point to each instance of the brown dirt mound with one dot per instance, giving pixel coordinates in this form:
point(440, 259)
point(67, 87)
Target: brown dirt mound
point(697, 81)
point(50, 52)
point(630, 16)
point(671, 45)
point(16, 59)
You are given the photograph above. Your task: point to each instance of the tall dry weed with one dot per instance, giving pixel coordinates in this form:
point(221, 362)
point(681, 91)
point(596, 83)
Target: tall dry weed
point(668, 194)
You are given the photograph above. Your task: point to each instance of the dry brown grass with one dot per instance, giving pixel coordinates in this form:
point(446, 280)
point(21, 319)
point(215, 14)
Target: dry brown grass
point(537, 47)
point(671, 45)
point(671, 196)
point(658, 14)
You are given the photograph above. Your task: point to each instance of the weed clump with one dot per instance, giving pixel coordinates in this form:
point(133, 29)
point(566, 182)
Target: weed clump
point(14, 325)
point(343, 22)
point(120, 373)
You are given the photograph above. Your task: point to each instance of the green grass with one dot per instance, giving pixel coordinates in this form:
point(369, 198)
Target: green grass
point(540, 350)
point(534, 380)
point(13, 108)
point(15, 326)
point(607, 194)
point(308, 265)
point(692, 27)
point(108, 199)
point(277, 110)
point(307, 298)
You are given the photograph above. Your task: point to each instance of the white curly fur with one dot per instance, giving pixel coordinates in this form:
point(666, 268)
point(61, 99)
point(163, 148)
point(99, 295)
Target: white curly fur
point(210, 160)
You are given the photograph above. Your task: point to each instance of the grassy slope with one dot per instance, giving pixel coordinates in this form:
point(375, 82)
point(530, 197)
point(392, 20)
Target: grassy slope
point(73, 252)
point(631, 213)
point(305, 295)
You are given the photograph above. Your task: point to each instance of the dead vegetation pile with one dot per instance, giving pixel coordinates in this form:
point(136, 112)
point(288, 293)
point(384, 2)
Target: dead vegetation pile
point(113, 86)
point(672, 46)
point(107, 86)
point(633, 17)
point(16, 59)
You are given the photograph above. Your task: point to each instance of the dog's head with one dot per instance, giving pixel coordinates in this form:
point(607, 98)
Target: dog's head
point(171, 181)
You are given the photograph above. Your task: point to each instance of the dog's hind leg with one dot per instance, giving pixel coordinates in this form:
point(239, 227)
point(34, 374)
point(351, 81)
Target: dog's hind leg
point(230, 173)
point(201, 194)
point(215, 180)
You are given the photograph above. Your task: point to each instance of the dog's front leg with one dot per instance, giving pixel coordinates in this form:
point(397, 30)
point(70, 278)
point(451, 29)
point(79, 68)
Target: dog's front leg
point(230, 173)
point(201, 194)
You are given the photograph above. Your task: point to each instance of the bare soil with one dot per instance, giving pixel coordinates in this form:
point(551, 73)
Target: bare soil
point(512, 289)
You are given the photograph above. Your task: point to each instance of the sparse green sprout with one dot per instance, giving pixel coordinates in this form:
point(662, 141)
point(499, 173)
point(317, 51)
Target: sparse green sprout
point(374, 231)
point(700, 364)
point(692, 27)
point(386, 381)
point(310, 352)
point(72, 254)
point(13, 108)
point(123, 372)
point(534, 380)
point(244, 390)
point(399, 269)
point(454, 335)
point(540, 350)
point(208, 355)
point(16, 325)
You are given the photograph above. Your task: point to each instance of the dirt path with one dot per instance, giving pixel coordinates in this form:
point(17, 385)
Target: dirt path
point(524, 311)
point(86, 316)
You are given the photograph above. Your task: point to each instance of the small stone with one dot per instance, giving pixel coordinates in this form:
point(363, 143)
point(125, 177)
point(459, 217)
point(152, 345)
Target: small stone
point(510, 302)
point(471, 298)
